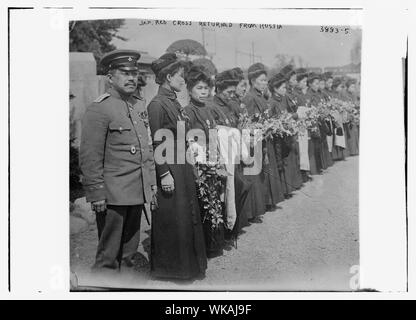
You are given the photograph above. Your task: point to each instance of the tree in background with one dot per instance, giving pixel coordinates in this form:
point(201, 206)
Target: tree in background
point(94, 36)
point(187, 48)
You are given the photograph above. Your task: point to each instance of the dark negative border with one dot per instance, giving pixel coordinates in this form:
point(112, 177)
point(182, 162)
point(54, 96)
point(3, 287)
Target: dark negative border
point(9, 146)
point(405, 88)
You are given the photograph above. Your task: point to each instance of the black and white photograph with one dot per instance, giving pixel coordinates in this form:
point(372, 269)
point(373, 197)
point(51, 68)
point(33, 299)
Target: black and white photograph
point(208, 155)
point(214, 155)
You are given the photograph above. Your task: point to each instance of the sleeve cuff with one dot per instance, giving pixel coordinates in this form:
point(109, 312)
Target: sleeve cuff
point(95, 193)
point(162, 170)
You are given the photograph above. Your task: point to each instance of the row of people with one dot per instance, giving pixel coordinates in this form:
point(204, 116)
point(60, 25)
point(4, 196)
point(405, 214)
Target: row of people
point(181, 238)
point(121, 139)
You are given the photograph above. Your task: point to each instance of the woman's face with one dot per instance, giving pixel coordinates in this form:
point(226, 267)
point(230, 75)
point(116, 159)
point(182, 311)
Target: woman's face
point(303, 83)
point(241, 89)
point(260, 83)
point(281, 90)
point(314, 84)
point(176, 81)
point(293, 80)
point(200, 91)
point(229, 92)
point(321, 84)
point(339, 88)
point(329, 83)
point(351, 88)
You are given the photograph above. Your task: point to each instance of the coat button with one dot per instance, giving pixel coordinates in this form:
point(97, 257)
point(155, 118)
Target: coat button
point(133, 149)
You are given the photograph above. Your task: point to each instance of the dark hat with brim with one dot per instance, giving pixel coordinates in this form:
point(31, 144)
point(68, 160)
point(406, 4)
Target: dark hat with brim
point(351, 82)
point(313, 76)
point(301, 73)
point(276, 81)
point(328, 75)
point(164, 61)
point(288, 71)
point(337, 82)
point(256, 70)
point(238, 72)
point(226, 79)
point(121, 59)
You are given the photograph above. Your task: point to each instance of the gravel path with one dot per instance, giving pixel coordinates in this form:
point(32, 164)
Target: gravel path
point(309, 243)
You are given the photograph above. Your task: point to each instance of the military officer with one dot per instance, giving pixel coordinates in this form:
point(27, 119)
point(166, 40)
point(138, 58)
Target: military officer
point(116, 159)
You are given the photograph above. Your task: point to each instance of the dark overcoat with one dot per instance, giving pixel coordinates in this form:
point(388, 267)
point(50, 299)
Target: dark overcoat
point(178, 248)
point(274, 193)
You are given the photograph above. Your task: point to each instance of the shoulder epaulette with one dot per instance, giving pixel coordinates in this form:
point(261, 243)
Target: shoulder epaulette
point(102, 97)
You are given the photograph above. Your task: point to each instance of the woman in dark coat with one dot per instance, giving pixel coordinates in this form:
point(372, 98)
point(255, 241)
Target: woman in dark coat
point(178, 247)
point(226, 111)
point(302, 100)
point(352, 141)
point(338, 152)
point(255, 103)
point(325, 125)
point(200, 117)
point(315, 145)
point(287, 153)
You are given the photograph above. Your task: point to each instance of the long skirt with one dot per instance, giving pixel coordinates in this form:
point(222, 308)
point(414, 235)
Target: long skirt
point(347, 135)
point(353, 141)
point(292, 176)
point(325, 154)
point(272, 183)
point(315, 155)
point(244, 197)
point(177, 238)
point(256, 197)
point(338, 152)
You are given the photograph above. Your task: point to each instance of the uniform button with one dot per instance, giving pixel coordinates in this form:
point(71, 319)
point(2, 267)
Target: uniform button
point(135, 122)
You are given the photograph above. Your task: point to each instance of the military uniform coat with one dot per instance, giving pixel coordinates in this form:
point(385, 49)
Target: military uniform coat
point(116, 155)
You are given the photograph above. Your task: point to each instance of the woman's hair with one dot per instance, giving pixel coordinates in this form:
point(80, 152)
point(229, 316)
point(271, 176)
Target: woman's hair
point(195, 75)
point(337, 82)
point(226, 79)
point(301, 73)
point(276, 81)
point(255, 71)
point(312, 77)
point(171, 69)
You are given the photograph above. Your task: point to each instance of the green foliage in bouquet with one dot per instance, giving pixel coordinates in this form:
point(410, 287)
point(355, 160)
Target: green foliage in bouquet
point(210, 186)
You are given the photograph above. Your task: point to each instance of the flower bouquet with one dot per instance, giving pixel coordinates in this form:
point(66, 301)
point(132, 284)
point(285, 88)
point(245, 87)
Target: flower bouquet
point(210, 188)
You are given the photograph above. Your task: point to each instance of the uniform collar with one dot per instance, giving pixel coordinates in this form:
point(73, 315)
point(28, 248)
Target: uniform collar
point(256, 92)
point(114, 93)
point(311, 91)
point(197, 103)
point(277, 97)
point(170, 94)
point(219, 100)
